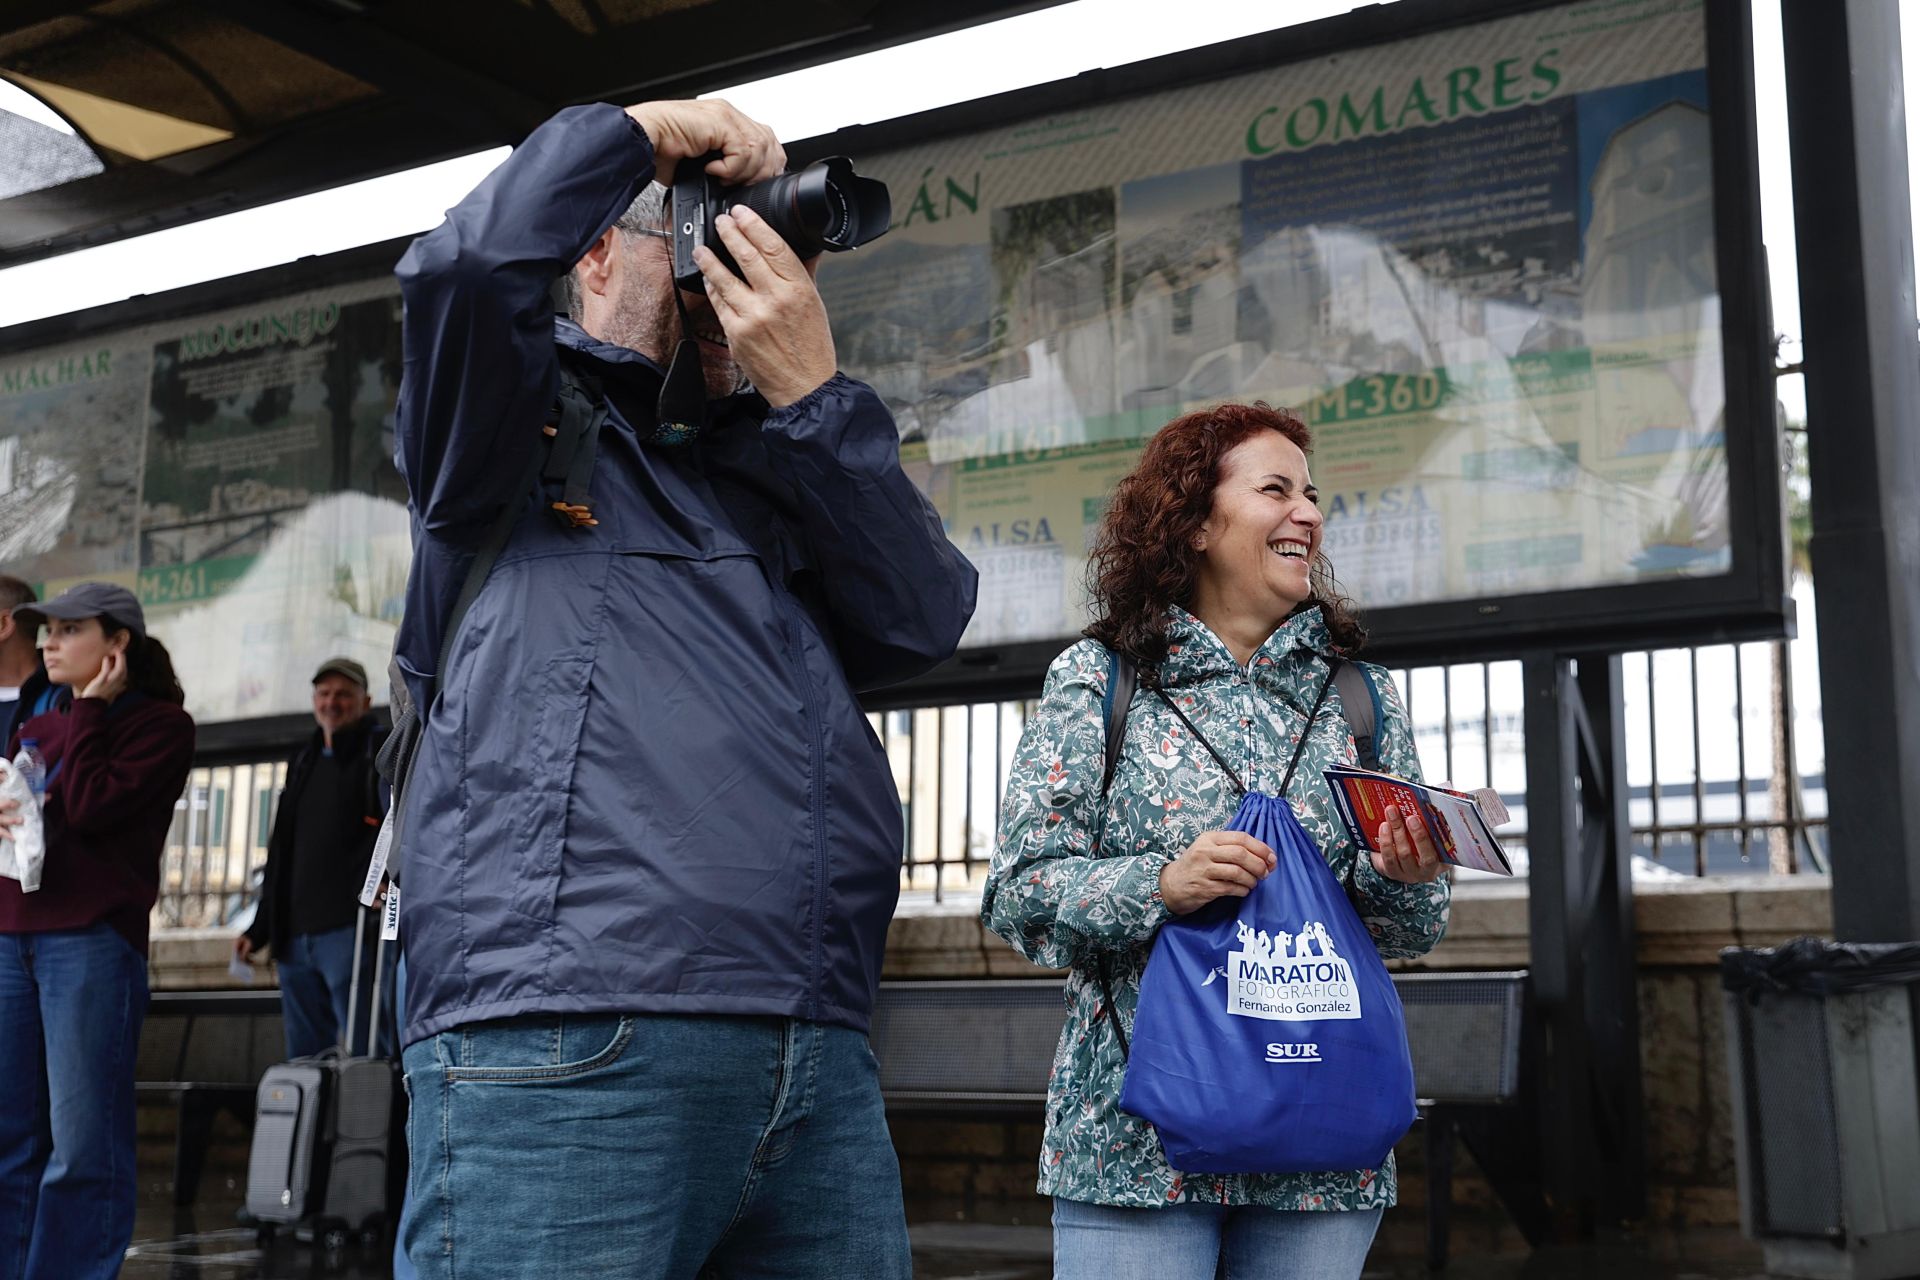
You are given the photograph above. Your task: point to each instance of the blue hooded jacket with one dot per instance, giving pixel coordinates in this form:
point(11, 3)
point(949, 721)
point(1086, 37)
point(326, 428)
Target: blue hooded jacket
point(647, 785)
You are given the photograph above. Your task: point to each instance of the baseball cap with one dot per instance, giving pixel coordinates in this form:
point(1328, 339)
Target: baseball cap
point(342, 667)
point(88, 600)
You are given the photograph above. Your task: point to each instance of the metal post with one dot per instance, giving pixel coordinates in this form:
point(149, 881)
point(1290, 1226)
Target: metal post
point(1854, 230)
point(1613, 1004)
point(1580, 912)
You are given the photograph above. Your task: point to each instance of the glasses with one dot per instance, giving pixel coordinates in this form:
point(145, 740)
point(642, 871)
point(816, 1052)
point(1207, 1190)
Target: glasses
point(660, 232)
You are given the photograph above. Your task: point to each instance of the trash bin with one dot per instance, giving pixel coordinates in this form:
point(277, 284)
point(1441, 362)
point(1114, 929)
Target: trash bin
point(1826, 1105)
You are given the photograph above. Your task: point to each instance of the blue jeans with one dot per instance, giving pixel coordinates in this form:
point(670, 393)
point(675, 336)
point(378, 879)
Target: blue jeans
point(71, 1005)
point(316, 976)
point(402, 1267)
point(1205, 1241)
point(651, 1145)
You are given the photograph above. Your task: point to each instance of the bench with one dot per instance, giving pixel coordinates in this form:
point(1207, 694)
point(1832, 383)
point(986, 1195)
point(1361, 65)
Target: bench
point(984, 1048)
point(194, 1054)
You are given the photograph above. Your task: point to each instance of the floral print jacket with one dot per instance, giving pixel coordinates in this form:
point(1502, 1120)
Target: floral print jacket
point(1063, 893)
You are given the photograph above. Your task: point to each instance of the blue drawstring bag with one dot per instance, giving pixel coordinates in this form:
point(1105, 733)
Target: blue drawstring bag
point(1268, 1037)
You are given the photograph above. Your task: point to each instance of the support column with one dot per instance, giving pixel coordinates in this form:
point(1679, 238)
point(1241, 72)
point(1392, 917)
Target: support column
point(1854, 231)
point(1580, 913)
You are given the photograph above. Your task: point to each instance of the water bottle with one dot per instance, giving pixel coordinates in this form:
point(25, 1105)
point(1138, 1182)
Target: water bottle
point(32, 765)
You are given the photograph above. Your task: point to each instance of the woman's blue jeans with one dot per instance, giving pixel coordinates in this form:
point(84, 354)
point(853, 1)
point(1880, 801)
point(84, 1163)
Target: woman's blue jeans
point(651, 1145)
point(1209, 1242)
point(71, 1005)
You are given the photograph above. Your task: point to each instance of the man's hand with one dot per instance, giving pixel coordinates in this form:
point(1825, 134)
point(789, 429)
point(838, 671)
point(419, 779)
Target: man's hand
point(242, 948)
point(1220, 864)
point(1407, 852)
point(772, 313)
point(684, 130)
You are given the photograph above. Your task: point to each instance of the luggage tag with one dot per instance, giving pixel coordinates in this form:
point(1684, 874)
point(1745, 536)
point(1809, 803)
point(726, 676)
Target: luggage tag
point(390, 918)
point(377, 865)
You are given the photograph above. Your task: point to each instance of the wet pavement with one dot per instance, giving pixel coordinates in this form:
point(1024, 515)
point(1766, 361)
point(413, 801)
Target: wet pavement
point(205, 1243)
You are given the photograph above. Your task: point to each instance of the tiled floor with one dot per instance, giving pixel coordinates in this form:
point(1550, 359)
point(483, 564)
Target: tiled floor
point(204, 1244)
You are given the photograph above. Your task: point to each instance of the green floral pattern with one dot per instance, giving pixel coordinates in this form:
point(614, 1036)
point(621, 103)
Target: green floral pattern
point(1063, 895)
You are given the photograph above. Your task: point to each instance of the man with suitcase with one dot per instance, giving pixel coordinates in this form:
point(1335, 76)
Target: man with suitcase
point(317, 854)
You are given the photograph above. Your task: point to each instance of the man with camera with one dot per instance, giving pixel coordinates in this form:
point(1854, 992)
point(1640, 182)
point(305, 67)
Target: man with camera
point(651, 843)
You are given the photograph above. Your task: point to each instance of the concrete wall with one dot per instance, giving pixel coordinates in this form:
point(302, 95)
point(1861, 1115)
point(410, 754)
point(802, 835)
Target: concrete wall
point(984, 1171)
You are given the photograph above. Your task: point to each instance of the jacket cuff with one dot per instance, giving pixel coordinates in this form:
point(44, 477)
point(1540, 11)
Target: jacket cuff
point(1142, 879)
point(838, 384)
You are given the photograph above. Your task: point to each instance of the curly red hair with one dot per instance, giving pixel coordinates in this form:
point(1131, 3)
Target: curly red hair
point(1143, 559)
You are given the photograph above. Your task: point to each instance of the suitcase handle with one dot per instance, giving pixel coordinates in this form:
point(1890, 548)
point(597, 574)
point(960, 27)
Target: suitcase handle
point(353, 986)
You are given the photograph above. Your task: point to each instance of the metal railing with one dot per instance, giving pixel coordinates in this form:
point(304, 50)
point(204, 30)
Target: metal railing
point(1711, 756)
point(1713, 782)
point(217, 840)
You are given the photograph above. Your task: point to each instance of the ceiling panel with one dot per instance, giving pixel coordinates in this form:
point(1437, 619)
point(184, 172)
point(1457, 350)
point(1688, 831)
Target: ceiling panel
point(194, 107)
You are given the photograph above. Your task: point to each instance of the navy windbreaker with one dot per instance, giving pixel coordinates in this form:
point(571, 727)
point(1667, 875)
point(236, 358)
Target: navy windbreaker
point(647, 784)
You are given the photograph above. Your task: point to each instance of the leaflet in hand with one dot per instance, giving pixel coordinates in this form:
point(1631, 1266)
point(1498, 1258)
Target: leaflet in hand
point(1462, 822)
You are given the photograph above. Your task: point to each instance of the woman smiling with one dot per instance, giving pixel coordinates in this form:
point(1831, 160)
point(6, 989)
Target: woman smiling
point(1208, 576)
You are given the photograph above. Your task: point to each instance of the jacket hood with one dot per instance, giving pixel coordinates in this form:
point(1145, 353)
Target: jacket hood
point(623, 362)
point(637, 373)
point(1195, 654)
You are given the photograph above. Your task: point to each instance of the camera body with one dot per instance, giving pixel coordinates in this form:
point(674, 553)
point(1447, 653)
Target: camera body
point(825, 207)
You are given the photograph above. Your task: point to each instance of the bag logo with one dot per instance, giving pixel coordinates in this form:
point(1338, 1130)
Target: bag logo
point(1292, 977)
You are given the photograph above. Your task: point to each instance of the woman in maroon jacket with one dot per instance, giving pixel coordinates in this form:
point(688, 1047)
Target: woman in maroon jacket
point(73, 954)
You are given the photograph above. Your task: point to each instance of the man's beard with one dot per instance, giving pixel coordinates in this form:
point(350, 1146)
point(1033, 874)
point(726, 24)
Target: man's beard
point(651, 326)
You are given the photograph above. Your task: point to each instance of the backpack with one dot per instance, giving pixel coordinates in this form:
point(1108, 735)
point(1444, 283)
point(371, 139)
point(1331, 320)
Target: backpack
point(1359, 702)
point(1297, 1061)
point(571, 448)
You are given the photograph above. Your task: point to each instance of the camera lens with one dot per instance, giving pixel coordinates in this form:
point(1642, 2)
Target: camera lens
point(825, 206)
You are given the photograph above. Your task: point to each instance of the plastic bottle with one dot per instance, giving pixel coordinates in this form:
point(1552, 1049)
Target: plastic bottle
point(32, 765)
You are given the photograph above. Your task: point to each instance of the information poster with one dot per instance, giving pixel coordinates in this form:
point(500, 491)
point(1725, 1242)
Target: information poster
point(1480, 264)
point(234, 470)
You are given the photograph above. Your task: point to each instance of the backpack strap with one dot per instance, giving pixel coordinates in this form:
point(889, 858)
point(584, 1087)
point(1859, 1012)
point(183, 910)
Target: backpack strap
point(1123, 677)
point(567, 454)
point(1360, 702)
point(575, 448)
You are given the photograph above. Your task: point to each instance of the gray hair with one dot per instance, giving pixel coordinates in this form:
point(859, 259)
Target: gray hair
point(648, 212)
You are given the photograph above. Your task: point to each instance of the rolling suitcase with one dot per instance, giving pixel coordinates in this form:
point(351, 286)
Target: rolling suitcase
point(324, 1132)
point(286, 1138)
point(363, 1118)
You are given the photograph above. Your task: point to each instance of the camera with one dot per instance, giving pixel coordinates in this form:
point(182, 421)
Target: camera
point(823, 207)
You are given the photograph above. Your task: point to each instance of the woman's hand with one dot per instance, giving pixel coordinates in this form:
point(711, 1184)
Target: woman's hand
point(1407, 852)
point(111, 680)
point(1220, 864)
point(10, 816)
